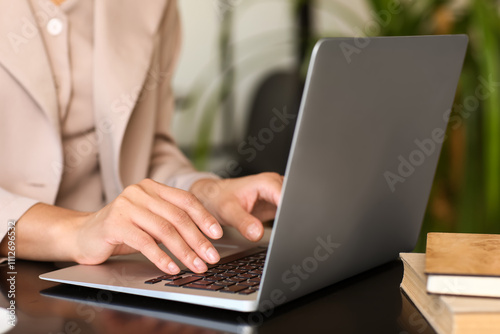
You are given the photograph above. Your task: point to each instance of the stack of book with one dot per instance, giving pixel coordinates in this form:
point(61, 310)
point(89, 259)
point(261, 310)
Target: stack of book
point(456, 284)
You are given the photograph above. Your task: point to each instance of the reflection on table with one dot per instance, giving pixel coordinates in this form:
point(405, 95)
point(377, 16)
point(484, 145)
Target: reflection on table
point(367, 303)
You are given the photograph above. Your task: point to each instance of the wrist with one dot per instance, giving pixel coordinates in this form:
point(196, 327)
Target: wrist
point(206, 189)
point(73, 229)
point(47, 233)
point(62, 234)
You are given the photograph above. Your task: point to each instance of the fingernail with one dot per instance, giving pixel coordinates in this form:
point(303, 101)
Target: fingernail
point(174, 269)
point(253, 232)
point(212, 255)
point(216, 231)
point(199, 264)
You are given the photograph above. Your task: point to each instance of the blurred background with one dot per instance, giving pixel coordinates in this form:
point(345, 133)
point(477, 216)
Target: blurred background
point(244, 61)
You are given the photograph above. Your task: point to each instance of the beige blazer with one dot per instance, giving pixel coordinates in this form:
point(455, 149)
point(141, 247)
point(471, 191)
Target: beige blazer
point(135, 47)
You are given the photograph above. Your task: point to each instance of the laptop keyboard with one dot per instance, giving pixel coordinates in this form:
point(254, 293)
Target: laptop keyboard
point(239, 273)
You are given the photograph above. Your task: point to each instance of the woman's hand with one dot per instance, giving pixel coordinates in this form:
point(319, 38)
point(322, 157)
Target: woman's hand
point(149, 212)
point(243, 203)
point(143, 215)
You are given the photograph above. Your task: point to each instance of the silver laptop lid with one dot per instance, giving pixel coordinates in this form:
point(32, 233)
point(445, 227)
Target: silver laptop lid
point(369, 134)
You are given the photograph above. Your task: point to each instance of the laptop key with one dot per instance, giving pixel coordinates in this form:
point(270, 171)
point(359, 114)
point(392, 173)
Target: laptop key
point(164, 276)
point(226, 275)
point(183, 281)
point(202, 282)
point(255, 272)
point(225, 283)
point(249, 284)
point(233, 289)
point(215, 271)
point(243, 263)
point(234, 264)
point(237, 271)
point(224, 267)
point(248, 267)
point(167, 277)
point(203, 274)
point(214, 278)
point(246, 292)
point(247, 276)
point(203, 287)
point(236, 279)
point(170, 277)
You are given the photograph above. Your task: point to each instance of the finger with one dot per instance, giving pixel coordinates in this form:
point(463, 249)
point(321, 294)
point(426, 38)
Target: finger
point(192, 206)
point(235, 215)
point(198, 213)
point(144, 243)
point(161, 229)
point(264, 211)
point(187, 229)
point(269, 186)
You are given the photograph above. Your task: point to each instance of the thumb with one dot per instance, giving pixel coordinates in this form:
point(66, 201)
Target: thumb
point(269, 187)
point(233, 214)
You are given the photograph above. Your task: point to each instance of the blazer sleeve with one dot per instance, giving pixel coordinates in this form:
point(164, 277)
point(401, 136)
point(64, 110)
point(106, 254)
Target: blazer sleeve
point(12, 207)
point(168, 164)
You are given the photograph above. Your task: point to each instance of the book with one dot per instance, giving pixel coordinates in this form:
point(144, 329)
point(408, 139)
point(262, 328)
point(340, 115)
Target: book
point(448, 314)
point(463, 264)
point(411, 320)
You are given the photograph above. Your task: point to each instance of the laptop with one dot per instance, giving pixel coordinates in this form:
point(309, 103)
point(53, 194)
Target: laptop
point(368, 137)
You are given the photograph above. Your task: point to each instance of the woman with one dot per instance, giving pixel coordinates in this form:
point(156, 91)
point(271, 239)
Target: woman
point(88, 166)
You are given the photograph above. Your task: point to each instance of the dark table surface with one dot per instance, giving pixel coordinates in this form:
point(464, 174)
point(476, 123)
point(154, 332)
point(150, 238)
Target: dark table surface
point(371, 302)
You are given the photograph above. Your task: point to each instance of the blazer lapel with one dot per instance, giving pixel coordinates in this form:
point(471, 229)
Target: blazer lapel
point(124, 37)
point(23, 54)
